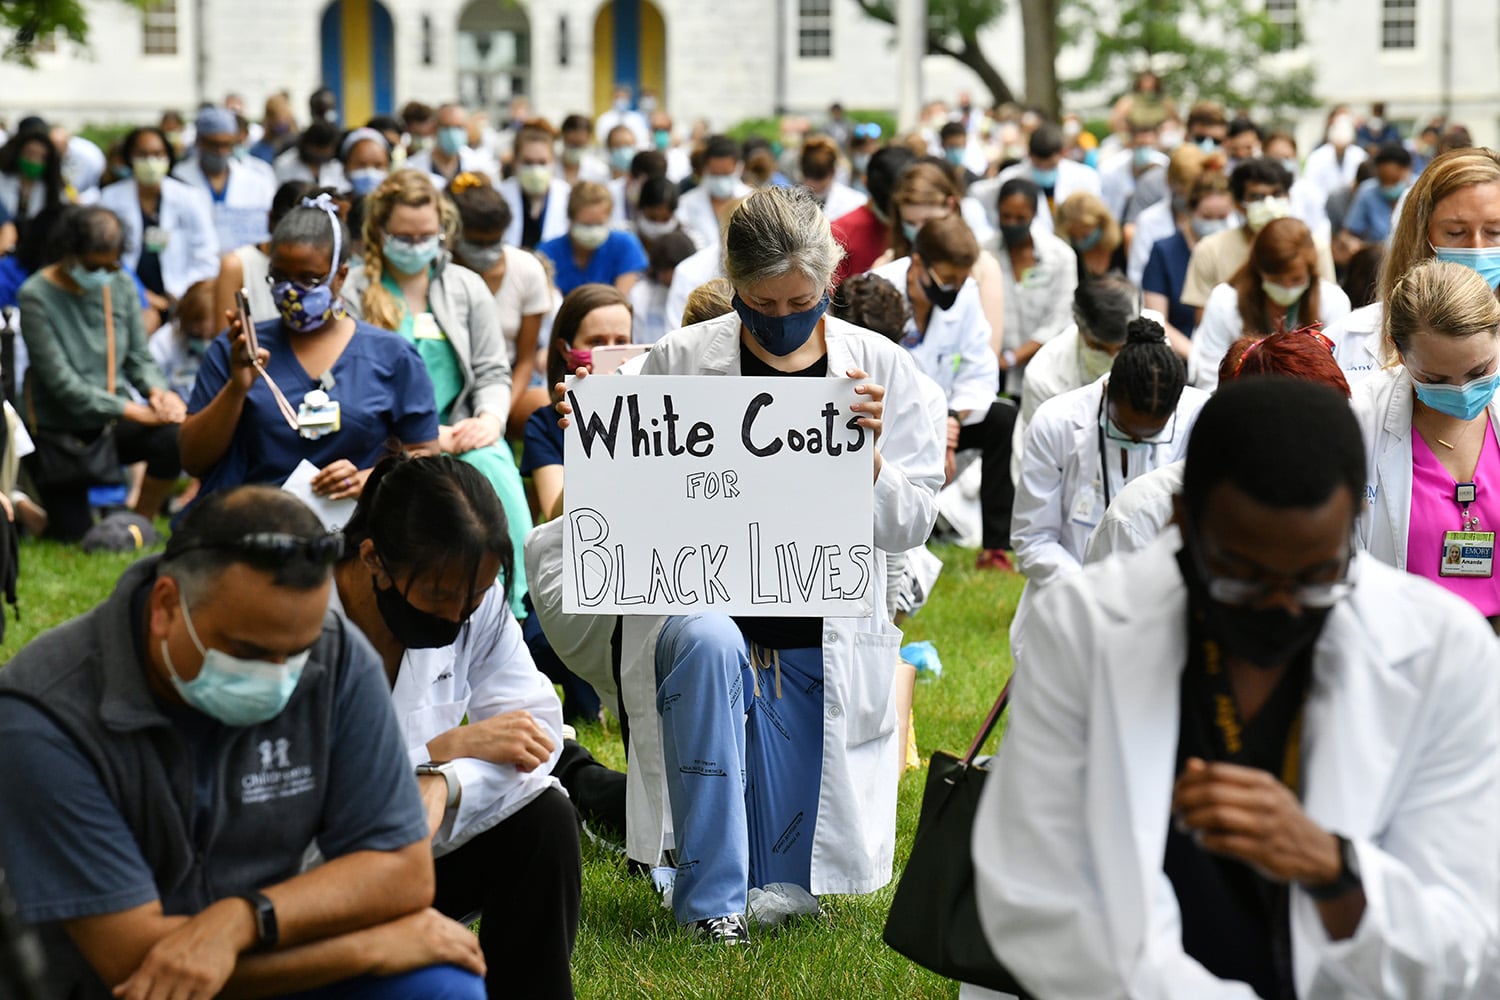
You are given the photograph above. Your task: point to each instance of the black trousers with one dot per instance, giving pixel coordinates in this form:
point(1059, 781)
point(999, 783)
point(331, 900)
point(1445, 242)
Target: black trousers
point(69, 516)
point(997, 492)
point(526, 875)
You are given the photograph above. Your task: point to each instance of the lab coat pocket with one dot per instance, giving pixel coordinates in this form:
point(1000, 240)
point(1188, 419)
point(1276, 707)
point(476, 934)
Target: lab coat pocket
point(422, 724)
point(869, 708)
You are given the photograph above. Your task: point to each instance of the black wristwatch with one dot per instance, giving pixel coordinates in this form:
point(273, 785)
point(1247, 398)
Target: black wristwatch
point(266, 933)
point(1348, 879)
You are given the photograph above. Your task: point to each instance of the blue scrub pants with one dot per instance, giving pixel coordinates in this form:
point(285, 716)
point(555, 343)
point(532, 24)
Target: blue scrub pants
point(742, 742)
point(436, 982)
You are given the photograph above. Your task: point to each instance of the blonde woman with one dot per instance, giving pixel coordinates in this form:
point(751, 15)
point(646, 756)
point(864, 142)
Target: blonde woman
point(1429, 422)
point(408, 284)
point(1093, 233)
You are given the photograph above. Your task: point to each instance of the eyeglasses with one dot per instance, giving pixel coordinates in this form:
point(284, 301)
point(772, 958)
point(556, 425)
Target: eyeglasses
point(326, 549)
point(1111, 432)
point(273, 279)
point(1316, 596)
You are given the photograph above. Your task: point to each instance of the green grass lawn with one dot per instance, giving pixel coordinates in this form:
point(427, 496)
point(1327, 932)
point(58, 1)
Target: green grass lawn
point(628, 946)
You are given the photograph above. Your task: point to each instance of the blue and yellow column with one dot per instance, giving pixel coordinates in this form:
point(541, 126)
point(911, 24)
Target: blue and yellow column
point(358, 57)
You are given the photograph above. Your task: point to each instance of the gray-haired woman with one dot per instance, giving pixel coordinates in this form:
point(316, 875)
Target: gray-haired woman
point(819, 751)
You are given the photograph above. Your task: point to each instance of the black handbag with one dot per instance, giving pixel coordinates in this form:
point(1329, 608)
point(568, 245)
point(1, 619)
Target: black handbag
point(934, 918)
point(68, 459)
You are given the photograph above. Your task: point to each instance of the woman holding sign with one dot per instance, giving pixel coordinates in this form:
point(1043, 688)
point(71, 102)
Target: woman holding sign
point(1429, 420)
point(800, 707)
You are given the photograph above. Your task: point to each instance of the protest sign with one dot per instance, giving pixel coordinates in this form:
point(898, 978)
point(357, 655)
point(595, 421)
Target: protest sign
point(740, 496)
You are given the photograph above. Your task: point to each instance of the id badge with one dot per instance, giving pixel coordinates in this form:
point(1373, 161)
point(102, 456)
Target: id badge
point(1468, 553)
point(425, 327)
point(1086, 509)
point(318, 416)
point(155, 239)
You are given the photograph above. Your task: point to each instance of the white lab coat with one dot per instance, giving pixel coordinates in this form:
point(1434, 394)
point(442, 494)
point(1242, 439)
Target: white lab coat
point(841, 200)
point(1222, 326)
point(854, 838)
point(955, 352)
point(1138, 515)
point(1156, 222)
point(1060, 498)
point(1117, 177)
point(1038, 303)
point(1071, 178)
point(554, 215)
point(1400, 753)
point(1324, 173)
point(1356, 342)
point(702, 267)
point(192, 251)
point(487, 672)
point(243, 216)
point(695, 213)
point(1052, 371)
point(470, 161)
point(1383, 404)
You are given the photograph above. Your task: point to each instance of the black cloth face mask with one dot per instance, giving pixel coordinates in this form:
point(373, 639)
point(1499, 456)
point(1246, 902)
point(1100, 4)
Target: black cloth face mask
point(1263, 637)
point(413, 627)
point(940, 297)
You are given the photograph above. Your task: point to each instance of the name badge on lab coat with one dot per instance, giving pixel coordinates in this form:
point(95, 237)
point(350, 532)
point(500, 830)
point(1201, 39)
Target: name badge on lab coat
point(1089, 507)
point(155, 239)
point(425, 327)
point(1468, 553)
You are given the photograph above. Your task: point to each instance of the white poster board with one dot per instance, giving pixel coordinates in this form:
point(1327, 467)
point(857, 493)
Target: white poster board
point(740, 496)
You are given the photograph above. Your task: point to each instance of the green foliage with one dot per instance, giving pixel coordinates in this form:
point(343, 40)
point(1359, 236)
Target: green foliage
point(26, 21)
point(1202, 50)
point(770, 128)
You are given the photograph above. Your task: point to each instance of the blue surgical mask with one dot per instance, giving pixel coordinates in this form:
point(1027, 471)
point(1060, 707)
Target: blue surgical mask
point(781, 335)
point(365, 180)
point(409, 258)
point(452, 138)
point(235, 691)
point(910, 230)
point(721, 186)
point(1485, 260)
point(1044, 179)
point(1207, 227)
point(1464, 402)
point(89, 280)
point(1392, 193)
point(1141, 157)
point(620, 157)
point(955, 155)
point(1090, 241)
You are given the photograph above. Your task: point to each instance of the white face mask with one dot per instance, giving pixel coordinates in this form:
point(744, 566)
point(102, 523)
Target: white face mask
point(721, 186)
point(1283, 295)
point(534, 178)
point(589, 237)
point(1093, 362)
point(1259, 213)
point(650, 230)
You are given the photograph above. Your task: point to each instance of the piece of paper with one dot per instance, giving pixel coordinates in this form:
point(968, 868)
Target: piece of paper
point(333, 513)
point(742, 496)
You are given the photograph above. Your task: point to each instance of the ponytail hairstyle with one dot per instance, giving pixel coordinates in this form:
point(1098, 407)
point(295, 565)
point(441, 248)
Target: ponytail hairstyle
point(405, 497)
point(413, 189)
point(1147, 373)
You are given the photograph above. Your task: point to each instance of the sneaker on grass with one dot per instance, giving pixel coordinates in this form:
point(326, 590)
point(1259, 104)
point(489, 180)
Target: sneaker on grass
point(728, 930)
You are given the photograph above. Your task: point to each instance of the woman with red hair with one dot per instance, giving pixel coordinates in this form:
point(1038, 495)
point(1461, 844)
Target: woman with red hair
point(1144, 507)
point(1278, 288)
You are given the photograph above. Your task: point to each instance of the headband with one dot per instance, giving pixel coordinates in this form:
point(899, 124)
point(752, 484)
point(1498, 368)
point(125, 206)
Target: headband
point(324, 203)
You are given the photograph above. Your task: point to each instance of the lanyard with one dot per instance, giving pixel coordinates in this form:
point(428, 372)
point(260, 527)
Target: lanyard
point(1103, 459)
point(1228, 728)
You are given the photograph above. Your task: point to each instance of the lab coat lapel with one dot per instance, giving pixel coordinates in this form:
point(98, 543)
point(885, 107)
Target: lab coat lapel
point(1349, 766)
point(1394, 467)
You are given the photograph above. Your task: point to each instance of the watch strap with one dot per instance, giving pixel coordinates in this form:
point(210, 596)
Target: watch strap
point(1348, 878)
point(450, 778)
point(267, 934)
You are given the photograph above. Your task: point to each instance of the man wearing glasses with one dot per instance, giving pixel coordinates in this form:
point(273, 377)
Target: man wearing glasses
point(175, 751)
point(1245, 761)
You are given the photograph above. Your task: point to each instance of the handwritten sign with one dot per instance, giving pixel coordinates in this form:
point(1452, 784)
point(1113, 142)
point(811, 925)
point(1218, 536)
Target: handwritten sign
point(741, 496)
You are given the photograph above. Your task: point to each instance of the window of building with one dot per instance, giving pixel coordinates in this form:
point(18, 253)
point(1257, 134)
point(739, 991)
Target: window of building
point(159, 23)
point(815, 29)
point(1283, 14)
point(1398, 24)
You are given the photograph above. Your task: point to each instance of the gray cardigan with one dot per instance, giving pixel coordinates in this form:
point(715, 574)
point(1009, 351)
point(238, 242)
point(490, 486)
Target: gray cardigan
point(465, 311)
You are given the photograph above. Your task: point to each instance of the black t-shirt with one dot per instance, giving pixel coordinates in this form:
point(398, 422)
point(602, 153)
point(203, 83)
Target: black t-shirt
point(1235, 922)
point(781, 632)
point(148, 268)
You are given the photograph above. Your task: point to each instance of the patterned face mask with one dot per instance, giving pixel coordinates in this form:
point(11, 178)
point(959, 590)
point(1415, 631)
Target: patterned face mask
point(303, 309)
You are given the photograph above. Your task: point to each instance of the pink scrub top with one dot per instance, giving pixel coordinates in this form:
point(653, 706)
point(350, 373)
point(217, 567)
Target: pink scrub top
point(1434, 512)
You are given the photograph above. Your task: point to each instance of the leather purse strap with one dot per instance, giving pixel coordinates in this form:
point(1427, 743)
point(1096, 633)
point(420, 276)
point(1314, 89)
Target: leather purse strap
point(109, 342)
point(989, 723)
